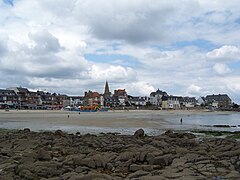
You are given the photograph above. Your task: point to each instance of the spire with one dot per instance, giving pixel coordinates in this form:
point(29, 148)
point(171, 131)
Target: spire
point(107, 91)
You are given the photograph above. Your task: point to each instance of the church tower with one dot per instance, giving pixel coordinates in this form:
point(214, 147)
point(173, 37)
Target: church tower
point(107, 92)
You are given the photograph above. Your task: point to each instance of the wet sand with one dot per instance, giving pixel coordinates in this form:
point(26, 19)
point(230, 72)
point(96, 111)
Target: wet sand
point(73, 121)
point(125, 122)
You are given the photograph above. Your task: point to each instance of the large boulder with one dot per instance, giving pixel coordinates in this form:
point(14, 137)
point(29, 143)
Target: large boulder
point(58, 133)
point(139, 133)
point(43, 155)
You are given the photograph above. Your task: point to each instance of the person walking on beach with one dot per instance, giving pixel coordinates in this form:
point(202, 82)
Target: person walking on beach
point(181, 121)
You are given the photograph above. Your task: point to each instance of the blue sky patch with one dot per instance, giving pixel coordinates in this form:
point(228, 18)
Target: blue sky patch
point(10, 2)
point(235, 65)
point(237, 21)
point(200, 43)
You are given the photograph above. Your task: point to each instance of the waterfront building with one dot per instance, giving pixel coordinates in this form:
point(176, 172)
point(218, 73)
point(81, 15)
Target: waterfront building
point(220, 100)
point(188, 102)
point(76, 101)
point(22, 94)
point(171, 102)
point(138, 100)
point(8, 98)
point(156, 97)
point(121, 97)
point(201, 101)
point(93, 98)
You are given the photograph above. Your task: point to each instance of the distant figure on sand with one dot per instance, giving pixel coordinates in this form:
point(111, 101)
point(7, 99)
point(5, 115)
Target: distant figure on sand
point(68, 116)
point(181, 120)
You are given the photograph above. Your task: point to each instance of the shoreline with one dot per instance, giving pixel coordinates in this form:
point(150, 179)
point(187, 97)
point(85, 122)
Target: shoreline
point(125, 122)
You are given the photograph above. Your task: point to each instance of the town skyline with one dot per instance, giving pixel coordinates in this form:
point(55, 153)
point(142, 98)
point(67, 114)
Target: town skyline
point(188, 48)
point(107, 91)
point(23, 98)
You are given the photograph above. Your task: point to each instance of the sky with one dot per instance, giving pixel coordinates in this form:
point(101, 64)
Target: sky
point(183, 47)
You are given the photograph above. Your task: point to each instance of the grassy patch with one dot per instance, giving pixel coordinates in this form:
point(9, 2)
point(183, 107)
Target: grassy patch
point(228, 134)
point(212, 133)
point(234, 135)
point(8, 130)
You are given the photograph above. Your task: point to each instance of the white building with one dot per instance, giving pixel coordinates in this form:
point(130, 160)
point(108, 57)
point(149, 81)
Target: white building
point(156, 97)
point(171, 102)
point(138, 101)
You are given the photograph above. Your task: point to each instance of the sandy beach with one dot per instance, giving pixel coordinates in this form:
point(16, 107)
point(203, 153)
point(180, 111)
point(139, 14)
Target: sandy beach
point(121, 121)
point(99, 119)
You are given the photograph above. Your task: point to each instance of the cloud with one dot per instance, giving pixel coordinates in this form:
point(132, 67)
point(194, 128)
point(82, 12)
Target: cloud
point(44, 42)
point(225, 53)
point(112, 73)
point(194, 89)
point(139, 88)
point(135, 22)
point(221, 69)
point(3, 48)
point(183, 47)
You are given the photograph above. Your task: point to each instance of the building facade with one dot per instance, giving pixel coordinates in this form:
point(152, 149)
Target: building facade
point(121, 97)
point(220, 100)
point(171, 102)
point(8, 98)
point(156, 97)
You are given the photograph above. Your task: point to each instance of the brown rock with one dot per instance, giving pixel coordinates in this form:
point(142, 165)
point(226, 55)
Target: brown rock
point(138, 174)
point(26, 130)
point(139, 133)
point(58, 133)
point(136, 167)
point(43, 155)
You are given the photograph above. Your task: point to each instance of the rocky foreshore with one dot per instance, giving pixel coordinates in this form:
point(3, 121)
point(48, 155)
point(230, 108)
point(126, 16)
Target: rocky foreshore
point(58, 156)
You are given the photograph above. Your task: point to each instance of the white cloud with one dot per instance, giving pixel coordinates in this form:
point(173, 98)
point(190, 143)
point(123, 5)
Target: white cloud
point(221, 69)
point(194, 90)
point(112, 73)
point(225, 53)
point(139, 88)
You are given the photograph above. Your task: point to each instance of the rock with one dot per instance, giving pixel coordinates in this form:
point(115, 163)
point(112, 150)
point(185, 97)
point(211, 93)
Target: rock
point(28, 157)
point(110, 166)
point(58, 133)
point(78, 133)
point(179, 161)
point(148, 168)
point(26, 130)
point(138, 174)
point(89, 162)
point(26, 174)
point(139, 133)
point(230, 153)
point(189, 135)
point(125, 156)
point(148, 177)
point(100, 161)
point(81, 169)
point(169, 156)
point(89, 176)
point(77, 159)
point(46, 169)
point(43, 155)
point(170, 133)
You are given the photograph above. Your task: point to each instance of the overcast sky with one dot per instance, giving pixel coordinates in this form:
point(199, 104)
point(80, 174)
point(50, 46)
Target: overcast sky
point(183, 47)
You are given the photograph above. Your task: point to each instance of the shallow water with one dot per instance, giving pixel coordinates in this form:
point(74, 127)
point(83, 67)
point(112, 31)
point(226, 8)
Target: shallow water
point(153, 122)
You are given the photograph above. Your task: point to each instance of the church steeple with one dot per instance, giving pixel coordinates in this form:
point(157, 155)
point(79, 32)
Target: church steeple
point(106, 90)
